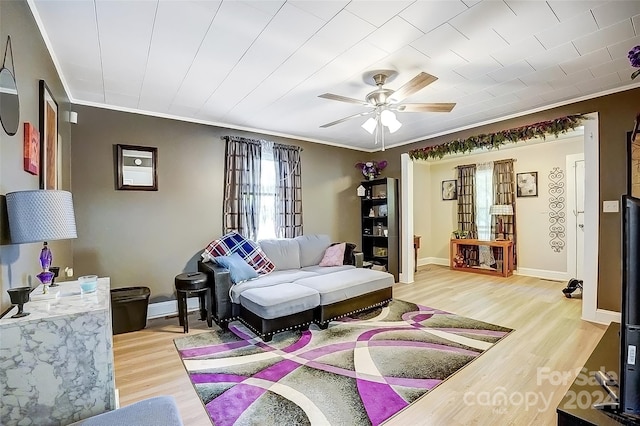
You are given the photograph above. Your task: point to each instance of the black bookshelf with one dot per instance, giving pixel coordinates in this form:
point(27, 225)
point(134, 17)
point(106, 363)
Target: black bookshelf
point(379, 223)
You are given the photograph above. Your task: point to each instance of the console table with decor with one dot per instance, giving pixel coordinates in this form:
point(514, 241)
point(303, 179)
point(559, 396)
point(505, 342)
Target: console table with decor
point(505, 246)
point(57, 362)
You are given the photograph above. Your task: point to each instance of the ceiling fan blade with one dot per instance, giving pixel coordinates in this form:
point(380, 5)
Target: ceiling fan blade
point(417, 83)
point(433, 107)
point(362, 114)
point(340, 98)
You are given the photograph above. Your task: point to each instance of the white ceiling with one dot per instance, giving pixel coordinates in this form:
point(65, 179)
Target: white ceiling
point(260, 65)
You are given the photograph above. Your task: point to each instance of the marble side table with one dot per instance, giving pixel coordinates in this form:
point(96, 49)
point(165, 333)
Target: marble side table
point(56, 364)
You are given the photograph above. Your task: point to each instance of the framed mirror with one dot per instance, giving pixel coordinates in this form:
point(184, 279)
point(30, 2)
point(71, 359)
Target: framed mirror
point(136, 168)
point(9, 103)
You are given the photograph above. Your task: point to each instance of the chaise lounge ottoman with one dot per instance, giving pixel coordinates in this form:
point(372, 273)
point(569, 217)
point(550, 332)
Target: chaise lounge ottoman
point(267, 310)
point(347, 292)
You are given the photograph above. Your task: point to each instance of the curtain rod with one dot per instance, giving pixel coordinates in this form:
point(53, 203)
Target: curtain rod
point(261, 141)
point(462, 166)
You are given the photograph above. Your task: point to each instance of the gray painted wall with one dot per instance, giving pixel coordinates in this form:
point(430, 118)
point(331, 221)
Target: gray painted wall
point(145, 237)
point(19, 263)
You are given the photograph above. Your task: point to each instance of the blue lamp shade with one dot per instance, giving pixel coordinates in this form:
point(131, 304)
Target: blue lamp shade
point(40, 215)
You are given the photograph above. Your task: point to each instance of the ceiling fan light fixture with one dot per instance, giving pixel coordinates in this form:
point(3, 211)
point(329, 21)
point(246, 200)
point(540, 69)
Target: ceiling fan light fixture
point(369, 125)
point(388, 118)
point(394, 126)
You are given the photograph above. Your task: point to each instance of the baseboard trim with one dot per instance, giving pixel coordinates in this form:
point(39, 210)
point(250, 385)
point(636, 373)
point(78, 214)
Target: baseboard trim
point(433, 261)
point(544, 274)
point(170, 307)
point(603, 316)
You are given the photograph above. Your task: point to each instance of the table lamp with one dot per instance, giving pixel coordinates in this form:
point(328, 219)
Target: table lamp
point(41, 216)
point(500, 210)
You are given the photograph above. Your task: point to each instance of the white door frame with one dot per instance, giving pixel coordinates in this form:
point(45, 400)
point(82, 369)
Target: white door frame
point(572, 223)
point(590, 311)
point(406, 223)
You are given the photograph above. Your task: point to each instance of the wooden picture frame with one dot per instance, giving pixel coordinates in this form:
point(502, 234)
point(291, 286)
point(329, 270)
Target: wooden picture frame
point(527, 184)
point(136, 168)
point(31, 149)
point(449, 190)
point(49, 170)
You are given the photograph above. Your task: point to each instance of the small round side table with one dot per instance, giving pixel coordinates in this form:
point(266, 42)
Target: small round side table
point(188, 284)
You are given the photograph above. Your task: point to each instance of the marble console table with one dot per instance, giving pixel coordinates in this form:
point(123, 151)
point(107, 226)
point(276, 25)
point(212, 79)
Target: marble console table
point(56, 364)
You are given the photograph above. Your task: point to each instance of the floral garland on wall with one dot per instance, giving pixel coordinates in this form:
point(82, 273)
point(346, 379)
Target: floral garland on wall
point(495, 140)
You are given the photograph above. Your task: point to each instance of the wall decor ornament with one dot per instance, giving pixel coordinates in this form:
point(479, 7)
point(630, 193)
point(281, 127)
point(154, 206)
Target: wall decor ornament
point(371, 169)
point(9, 101)
point(449, 190)
point(496, 140)
point(31, 149)
point(136, 167)
point(556, 209)
point(49, 170)
point(527, 184)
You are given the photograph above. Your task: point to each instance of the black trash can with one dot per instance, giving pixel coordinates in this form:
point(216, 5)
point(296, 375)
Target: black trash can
point(129, 308)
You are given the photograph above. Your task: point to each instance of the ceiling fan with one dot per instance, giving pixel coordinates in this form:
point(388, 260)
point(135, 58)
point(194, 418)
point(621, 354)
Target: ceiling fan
point(383, 102)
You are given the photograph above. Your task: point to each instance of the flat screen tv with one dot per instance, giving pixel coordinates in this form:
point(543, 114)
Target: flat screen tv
point(625, 392)
point(629, 377)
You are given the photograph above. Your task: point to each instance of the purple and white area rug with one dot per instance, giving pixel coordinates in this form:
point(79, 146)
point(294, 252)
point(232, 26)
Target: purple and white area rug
point(361, 370)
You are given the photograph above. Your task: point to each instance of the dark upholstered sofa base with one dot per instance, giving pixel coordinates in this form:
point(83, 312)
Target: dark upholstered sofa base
point(323, 315)
point(266, 328)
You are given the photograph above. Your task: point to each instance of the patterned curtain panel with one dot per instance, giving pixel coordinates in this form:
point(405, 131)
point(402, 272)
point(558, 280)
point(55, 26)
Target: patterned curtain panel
point(241, 205)
point(504, 186)
point(288, 200)
point(467, 209)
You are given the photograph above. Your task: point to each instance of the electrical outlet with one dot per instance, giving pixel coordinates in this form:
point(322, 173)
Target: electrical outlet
point(68, 272)
point(610, 206)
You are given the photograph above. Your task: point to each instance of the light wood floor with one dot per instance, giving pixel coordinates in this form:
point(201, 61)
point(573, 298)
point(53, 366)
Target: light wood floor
point(548, 334)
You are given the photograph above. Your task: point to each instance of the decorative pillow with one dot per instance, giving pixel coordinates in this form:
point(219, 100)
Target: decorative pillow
point(348, 253)
point(334, 255)
point(247, 249)
point(239, 270)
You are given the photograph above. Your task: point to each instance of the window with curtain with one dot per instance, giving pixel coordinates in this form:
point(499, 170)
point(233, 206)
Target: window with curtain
point(267, 221)
point(484, 199)
point(479, 187)
point(263, 189)
point(504, 184)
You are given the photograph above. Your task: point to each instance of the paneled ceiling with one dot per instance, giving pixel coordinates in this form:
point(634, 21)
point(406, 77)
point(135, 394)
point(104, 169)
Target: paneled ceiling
point(260, 65)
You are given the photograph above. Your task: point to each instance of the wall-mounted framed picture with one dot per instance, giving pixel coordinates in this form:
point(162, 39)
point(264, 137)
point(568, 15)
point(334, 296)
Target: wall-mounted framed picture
point(31, 149)
point(449, 190)
point(527, 184)
point(49, 169)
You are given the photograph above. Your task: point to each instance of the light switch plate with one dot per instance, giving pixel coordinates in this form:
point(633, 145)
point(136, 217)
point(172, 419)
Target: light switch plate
point(610, 206)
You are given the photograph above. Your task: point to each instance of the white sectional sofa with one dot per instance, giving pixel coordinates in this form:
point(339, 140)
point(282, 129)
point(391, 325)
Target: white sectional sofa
point(299, 291)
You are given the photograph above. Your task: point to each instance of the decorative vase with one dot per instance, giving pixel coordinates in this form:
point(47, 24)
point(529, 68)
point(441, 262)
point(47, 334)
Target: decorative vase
point(45, 278)
point(19, 296)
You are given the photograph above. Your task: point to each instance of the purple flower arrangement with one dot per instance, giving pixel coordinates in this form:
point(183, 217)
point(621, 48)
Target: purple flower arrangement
point(634, 58)
point(371, 169)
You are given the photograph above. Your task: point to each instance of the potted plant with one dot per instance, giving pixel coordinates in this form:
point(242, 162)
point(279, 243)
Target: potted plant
point(460, 234)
